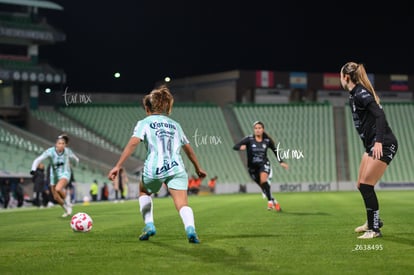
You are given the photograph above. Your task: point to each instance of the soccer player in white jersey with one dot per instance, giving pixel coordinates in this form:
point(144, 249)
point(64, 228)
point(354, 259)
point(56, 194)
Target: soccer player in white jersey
point(163, 138)
point(60, 158)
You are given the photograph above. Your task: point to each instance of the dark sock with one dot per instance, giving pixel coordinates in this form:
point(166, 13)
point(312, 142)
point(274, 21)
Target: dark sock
point(371, 205)
point(266, 190)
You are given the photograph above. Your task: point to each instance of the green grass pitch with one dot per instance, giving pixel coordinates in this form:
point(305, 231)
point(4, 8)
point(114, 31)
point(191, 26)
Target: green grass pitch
point(313, 235)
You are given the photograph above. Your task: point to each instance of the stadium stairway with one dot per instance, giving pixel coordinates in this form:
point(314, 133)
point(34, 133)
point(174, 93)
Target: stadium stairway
point(19, 148)
point(97, 156)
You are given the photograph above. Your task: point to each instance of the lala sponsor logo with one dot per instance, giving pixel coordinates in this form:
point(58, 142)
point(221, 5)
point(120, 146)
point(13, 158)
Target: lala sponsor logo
point(166, 167)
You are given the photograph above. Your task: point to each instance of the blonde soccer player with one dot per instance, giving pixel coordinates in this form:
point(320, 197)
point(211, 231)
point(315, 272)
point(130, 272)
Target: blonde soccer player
point(377, 137)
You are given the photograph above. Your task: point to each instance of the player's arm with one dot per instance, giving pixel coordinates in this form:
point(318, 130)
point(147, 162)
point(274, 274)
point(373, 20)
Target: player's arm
point(74, 158)
point(128, 150)
point(37, 161)
point(241, 145)
point(193, 158)
point(272, 146)
point(380, 123)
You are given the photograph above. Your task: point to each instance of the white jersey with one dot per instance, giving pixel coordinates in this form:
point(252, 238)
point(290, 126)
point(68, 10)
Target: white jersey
point(163, 138)
point(59, 162)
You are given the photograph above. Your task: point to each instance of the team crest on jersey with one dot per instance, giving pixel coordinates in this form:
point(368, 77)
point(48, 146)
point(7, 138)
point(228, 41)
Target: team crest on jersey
point(264, 146)
point(166, 167)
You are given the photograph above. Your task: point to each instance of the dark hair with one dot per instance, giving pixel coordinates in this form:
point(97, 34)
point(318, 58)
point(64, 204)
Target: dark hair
point(64, 137)
point(265, 135)
point(258, 122)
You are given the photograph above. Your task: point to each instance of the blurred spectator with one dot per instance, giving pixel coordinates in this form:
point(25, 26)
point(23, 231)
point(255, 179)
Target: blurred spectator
point(93, 191)
point(194, 185)
point(38, 180)
point(119, 184)
point(5, 191)
point(70, 189)
point(47, 196)
point(104, 192)
point(212, 184)
point(18, 191)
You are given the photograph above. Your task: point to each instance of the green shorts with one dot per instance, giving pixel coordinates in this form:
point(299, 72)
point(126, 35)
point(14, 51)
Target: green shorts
point(178, 181)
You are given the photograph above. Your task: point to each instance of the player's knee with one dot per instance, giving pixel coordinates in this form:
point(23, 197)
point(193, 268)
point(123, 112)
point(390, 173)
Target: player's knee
point(366, 190)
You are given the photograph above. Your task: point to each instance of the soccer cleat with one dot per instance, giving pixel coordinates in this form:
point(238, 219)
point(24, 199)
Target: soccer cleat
point(69, 210)
point(271, 205)
point(364, 227)
point(192, 235)
point(278, 208)
point(147, 232)
point(370, 234)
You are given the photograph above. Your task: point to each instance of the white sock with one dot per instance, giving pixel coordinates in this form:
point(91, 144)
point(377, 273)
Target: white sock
point(145, 207)
point(187, 216)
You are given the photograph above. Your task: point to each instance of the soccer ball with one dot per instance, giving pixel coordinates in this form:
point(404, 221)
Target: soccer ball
point(81, 222)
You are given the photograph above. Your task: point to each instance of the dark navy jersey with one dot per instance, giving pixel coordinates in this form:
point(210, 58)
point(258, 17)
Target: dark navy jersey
point(257, 151)
point(369, 117)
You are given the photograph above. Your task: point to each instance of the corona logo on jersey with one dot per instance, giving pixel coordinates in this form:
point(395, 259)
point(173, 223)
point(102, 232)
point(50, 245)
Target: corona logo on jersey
point(156, 125)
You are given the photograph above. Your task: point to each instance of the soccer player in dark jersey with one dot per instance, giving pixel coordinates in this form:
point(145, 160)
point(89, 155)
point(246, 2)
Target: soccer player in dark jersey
point(377, 137)
point(258, 164)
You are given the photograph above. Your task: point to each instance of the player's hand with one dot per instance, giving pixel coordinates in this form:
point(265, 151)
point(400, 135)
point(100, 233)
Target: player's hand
point(113, 173)
point(33, 172)
point(284, 165)
point(201, 173)
point(377, 150)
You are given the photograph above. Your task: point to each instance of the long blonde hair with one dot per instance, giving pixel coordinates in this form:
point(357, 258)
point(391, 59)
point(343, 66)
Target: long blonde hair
point(358, 75)
point(159, 100)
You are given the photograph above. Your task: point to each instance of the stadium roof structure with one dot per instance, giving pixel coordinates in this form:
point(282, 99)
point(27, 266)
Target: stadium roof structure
point(33, 3)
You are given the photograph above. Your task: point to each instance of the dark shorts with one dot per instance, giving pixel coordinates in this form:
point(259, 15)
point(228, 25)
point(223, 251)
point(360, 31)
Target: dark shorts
point(255, 171)
point(388, 152)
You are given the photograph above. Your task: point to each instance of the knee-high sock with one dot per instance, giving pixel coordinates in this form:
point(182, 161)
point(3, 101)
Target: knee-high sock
point(266, 190)
point(145, 207)
point(371, 205)
point(187, 216)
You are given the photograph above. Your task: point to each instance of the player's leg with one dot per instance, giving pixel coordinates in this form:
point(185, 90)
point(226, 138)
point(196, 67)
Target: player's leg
point(63, 177)
point(255, 176)
point(271, 204)
point(371, 172)
point(146, 209)
point(59, 194)
point(178, 190)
